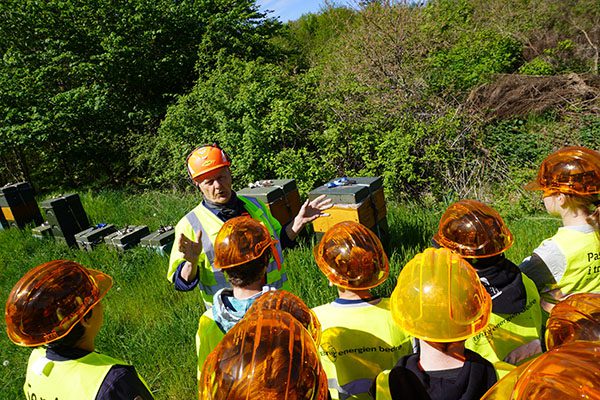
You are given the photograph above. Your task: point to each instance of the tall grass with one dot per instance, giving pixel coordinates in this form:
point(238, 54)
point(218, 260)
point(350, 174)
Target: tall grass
point(152, 326)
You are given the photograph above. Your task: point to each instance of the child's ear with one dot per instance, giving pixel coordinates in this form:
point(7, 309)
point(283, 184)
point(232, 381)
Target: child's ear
point(562, 199)
point(86, 318)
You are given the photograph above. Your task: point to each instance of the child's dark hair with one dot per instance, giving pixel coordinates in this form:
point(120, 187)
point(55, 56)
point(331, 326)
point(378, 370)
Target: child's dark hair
point(250, 272)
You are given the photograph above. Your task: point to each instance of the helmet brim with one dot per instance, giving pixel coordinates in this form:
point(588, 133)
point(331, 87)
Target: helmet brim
point(104, 282)
point(533, 185)
point(200, 177)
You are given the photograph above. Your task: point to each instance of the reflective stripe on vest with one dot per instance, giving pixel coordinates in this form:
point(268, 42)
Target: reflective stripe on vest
point(354, 388)
point(209, 252)
point(272, 264)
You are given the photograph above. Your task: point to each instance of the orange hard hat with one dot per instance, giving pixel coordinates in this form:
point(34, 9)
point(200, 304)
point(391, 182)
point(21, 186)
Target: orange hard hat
point(50, 300)
point(570, 170)
point(352, 257)
point(267, 355)
point(438, 297)
point(205, 159)
point(241, 240)
point(283, 300)
point(473, 230)
point(571, 371)
point(575, 318)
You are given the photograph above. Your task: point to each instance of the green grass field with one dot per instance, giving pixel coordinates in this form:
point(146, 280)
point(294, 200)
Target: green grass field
point(148, 323)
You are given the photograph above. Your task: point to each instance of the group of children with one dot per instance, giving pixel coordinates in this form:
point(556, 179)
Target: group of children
point(461, 315)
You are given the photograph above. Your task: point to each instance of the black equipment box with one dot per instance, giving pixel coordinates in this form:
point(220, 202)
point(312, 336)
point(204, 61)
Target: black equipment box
point(43, 231)
point(67, 217)
point(18, 206)
point(126, 238)
point(91, 237)
point(161, 240)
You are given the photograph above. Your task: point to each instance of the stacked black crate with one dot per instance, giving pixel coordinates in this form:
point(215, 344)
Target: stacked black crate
point(91, 237)
point(126, 238)
point(67, 217)
point(18, 206)
point(160, 240)
point(43, 231)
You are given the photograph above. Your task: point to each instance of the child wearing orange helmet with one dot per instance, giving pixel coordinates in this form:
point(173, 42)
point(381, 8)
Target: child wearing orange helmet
point(243, 248)
point(568, 262)
point(360, 338)
point(56, 309)
point(478, 233)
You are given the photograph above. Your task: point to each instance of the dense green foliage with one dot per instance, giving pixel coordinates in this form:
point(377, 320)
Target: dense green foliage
point(97, 93)
point(152, 326)
point(118, 93)
point(82, 82)
point(252, 106)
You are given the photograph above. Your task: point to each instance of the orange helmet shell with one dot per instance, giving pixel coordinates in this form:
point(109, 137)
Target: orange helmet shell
point(575, 318)
point(241, 240)
point(205, 159)
point(438, 297)
point(267, 355)
point(50, 300)
point(352, 257)
point(570, 371)
point(473, 230)
point(282, 300)
point(570, 170)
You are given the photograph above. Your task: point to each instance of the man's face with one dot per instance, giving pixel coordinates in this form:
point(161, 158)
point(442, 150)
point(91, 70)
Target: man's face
point(216, 185)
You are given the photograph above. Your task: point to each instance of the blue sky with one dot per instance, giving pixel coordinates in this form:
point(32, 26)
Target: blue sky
point(288, 10)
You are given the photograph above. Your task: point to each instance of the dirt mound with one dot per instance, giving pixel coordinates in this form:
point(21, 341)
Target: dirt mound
point(517, 95)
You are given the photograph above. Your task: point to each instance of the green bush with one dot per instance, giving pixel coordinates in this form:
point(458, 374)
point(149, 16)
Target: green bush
point(262, 116)
point(82, 82)
point(472, 60)
point(537, 66)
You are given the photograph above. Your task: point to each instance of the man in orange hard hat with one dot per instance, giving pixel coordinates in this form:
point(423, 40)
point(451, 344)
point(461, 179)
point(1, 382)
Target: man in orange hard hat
point(192, 259)
point(55, 308)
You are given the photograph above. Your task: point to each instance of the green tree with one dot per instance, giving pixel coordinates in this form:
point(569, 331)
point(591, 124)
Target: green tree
point(265, 118)
point(81, 82)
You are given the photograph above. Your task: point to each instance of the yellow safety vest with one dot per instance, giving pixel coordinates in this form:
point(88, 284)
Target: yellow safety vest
point(208, 336)
point(382, 386)
point(202, 220)
point(78, 379)
point(358, 342)
point(582, 254)
point(506, 332)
